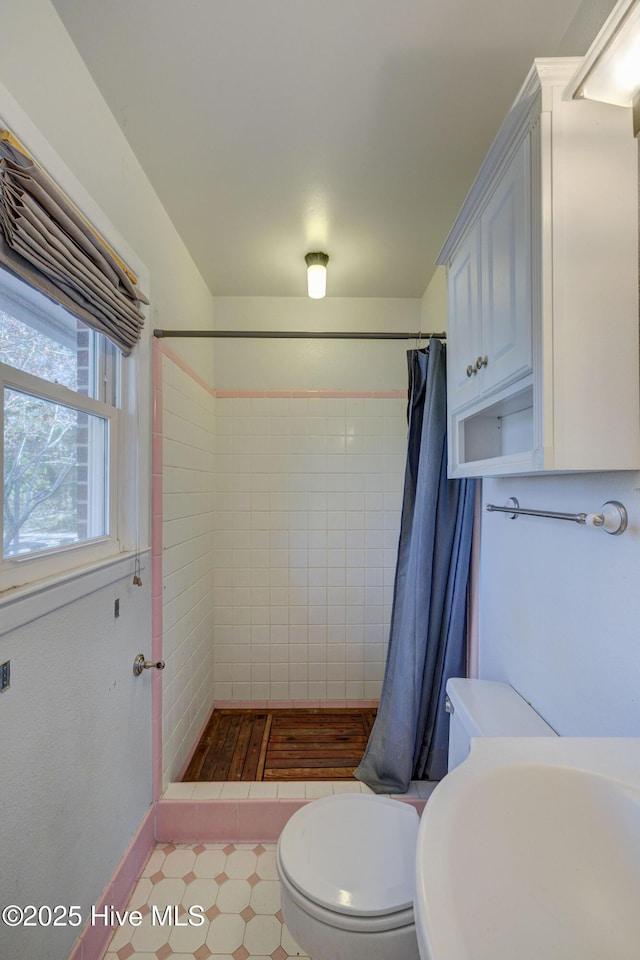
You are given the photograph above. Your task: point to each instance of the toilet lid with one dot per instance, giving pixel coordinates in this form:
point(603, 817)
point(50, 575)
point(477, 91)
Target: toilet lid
point(352, 853)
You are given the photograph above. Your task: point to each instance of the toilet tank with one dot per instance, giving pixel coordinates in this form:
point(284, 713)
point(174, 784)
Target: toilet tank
point(487, 708)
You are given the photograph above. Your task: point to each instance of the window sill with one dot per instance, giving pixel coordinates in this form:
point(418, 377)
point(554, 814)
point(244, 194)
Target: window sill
point(25, 604)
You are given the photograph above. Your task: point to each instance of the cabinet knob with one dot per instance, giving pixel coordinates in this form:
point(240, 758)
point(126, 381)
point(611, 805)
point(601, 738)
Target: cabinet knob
point(471, 370)
point(481, 362)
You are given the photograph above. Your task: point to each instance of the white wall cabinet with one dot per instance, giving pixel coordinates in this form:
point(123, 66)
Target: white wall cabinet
point(490, 290)
point(542, 339)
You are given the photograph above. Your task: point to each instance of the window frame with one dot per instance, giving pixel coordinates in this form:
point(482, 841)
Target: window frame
point(24, 569)
point(76, 576)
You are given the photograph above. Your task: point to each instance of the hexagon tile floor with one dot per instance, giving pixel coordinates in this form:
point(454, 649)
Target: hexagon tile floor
point(195, 902)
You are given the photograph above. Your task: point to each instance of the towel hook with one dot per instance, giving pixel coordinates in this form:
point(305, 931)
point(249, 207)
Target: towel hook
point(140, 664)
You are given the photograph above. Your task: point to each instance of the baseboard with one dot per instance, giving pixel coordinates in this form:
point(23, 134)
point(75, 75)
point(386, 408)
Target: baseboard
point(230, 821)
point(94, 939)
point(219, 820)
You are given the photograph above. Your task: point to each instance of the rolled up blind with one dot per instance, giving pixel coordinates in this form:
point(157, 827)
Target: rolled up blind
point(45, 240)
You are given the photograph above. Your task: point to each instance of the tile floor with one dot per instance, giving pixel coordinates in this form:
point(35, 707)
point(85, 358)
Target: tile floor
point(235, 885)
point(232, 887)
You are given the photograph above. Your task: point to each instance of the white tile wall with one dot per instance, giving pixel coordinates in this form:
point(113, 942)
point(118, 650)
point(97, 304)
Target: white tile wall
point(188, 576)
point(281, 519)
point(307, 512)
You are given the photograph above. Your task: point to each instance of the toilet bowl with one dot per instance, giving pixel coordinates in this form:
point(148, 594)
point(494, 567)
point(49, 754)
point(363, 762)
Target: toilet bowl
point(345, 864)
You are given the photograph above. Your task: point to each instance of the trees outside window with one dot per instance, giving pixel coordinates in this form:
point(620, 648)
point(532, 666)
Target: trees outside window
point(59, 395)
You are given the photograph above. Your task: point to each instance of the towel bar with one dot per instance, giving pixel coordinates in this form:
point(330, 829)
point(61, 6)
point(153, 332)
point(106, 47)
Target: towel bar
point(613, 518)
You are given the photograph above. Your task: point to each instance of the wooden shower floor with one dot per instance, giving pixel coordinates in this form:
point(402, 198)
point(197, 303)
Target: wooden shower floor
point(286, 744)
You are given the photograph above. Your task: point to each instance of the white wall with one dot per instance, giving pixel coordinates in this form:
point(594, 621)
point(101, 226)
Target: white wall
point(433, 306)
point(560, 604)
point(75, 755)
point(75, 752)
point(314, 364)
point(43, 71)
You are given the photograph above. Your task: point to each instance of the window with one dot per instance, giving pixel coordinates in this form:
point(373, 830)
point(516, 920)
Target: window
point(61, 397)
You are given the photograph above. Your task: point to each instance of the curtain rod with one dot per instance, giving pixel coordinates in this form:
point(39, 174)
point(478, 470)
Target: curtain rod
point(300, 335)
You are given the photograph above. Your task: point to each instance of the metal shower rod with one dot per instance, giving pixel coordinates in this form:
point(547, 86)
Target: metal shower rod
point(300, 335)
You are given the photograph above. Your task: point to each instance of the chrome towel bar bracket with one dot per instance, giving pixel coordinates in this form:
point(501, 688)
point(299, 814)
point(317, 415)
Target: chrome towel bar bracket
point(613, 519)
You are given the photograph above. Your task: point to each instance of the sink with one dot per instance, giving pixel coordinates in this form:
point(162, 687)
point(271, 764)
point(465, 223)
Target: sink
point(530, 850)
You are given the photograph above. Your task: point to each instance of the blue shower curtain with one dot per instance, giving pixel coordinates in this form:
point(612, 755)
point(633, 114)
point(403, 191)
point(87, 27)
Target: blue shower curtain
point(427, 639)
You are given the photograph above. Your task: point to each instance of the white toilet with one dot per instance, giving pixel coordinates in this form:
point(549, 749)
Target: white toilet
point(346, 862)
point(487, 708)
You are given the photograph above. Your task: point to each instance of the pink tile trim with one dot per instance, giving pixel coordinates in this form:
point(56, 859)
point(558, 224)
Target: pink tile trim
point(156, 533)
point(156, 580)
point(162, 349)
point(223, 821)
point(259, 819)
point(179, 362)
point(156, 455)
point(296, 394)
point(93, 941)
point(156, 494)
point(230, 821)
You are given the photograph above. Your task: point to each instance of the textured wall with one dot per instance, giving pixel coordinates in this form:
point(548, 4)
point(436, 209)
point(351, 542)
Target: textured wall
point(560, 606)
point(75, 755)
point(76, 726)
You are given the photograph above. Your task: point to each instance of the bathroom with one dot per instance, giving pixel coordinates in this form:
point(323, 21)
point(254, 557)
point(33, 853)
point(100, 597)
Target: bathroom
point(558, 604)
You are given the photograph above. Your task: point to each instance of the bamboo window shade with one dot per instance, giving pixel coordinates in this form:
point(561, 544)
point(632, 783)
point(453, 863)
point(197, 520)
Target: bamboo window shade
point(45, 240)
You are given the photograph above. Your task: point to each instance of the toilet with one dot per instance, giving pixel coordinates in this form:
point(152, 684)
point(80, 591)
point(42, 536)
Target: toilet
point(345, 868)
point(346, 861)
point(487, 708)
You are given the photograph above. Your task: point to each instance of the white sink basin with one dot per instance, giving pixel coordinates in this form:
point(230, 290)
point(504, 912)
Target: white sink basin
point(530, 850)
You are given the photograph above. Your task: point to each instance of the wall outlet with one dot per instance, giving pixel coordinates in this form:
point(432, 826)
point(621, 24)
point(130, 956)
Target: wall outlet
point(5, 675)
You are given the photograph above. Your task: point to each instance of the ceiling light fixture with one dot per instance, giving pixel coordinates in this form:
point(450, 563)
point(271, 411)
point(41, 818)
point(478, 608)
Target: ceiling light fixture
point(316, 274)
point(610, 71)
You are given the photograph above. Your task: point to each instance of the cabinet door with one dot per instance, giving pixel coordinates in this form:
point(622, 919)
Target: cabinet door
point(463, 321)
point(506, 276)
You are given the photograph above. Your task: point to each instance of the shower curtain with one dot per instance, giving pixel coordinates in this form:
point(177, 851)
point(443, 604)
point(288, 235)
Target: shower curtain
point(427, 639)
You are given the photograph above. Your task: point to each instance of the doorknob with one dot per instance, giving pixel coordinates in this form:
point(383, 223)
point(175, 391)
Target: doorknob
point(140, 664)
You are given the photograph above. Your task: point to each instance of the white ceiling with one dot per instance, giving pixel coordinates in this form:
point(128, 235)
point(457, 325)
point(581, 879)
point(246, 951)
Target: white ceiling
point(270, 128)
